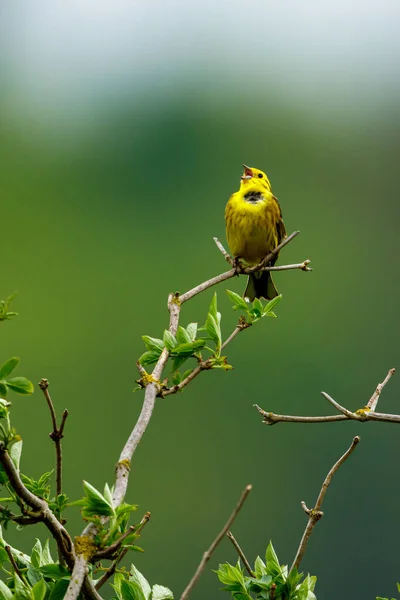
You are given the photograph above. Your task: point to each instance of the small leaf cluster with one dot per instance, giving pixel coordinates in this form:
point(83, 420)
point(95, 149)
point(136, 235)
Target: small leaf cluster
point(96, 505)
point(41, 577)
point(135, 586)
point(255, 310)
point(5, 313)
point(271, 580)
point(20, 385)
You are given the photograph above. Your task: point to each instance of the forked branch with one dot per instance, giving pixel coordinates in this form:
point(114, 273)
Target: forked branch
point(315, 514)
point(368, 413)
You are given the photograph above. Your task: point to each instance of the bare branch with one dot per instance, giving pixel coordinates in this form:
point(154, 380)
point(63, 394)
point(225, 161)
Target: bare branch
point(241, 554)
point(207, 555)
point(373, 401)
point(57, 434)
point(303, 266)
point(315, 514)
point(64, 542)
point(14, 564)
point(363, 414)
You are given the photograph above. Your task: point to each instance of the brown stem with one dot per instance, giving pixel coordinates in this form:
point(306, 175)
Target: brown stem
point(207, 555)
point(241, 553)
point(57, 434)
point(315, 514)
point(14, 564)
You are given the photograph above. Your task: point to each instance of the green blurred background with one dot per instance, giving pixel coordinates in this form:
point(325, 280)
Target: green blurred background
point(123, 129)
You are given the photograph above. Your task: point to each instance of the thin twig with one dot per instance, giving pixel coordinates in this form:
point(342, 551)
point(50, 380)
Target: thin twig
point(110, 572)
point(373, 401)
point(207, 555)
point(14, 564)
point(225, 254)
point(57, 434)
point(315, 514)
point(340, 408)
point(241, 553)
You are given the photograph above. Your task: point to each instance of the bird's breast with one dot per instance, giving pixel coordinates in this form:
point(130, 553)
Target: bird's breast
point(251, 225)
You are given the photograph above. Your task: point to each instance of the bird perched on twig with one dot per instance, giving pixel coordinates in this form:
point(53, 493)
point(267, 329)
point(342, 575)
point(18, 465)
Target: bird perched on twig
point(254, 227)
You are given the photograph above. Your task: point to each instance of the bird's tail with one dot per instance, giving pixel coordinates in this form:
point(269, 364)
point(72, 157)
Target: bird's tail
point(260, 285)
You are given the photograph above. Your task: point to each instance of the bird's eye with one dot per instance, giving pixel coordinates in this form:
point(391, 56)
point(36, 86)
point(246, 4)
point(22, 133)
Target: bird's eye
point(260, 175)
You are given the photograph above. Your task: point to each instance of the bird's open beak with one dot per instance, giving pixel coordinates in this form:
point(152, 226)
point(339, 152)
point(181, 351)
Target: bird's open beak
point(248, 173)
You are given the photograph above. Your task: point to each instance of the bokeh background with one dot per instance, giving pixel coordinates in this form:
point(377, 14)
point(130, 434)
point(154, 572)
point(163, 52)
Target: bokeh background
point(123, 129)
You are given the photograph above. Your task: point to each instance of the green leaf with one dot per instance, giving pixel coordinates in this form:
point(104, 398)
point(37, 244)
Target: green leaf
point(268, 308)
point(21, 385)
point(5, 592)
point(161, 593)
point(150, 357)
point(188, 349)
point(108, 494)
point(4, 406)
point(153, 343)
point(21, 590)
point(39, 590)
point(8, 367)
point(141, 581)
point(97, 505)
point(169, 340)
point(118, 579)
point(273, 567)
point(238, 301)
point(131, 591)
point(46, 556)
point(182, 335)
point(33, 575)
point(15, 453)
point(213, 310)
point(3, 389)
point(192, 331)
point(259, 567)
point(36, 554)
point(178, 362)
point(258, 306)
point(59, 589)
point(54, 571)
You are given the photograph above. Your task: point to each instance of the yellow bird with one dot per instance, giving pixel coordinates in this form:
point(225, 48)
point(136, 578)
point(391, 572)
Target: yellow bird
point(254, 227)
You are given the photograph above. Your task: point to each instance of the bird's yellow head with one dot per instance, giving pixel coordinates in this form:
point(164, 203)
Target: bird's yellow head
point(252, 177)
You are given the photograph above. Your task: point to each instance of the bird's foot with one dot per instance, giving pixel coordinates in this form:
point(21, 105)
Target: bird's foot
point(237, 265)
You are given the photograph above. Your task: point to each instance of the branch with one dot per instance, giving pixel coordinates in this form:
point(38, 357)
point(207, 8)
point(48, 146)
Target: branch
point(64, 542)
point(315, 514)
point(363, 414)
point(241, 270)
point(153, 389)
point(14, 564)
point(207, 555)
point(241, 553)
point(57, 434)
point(373, 401)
